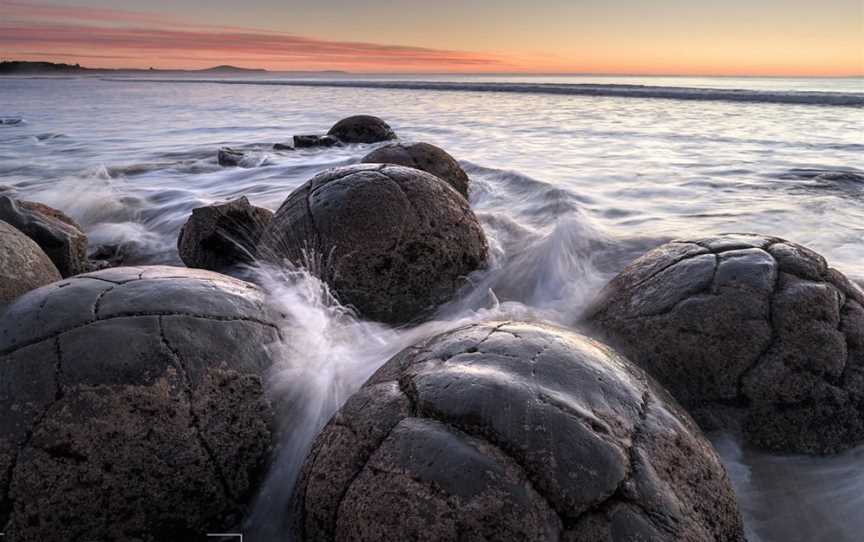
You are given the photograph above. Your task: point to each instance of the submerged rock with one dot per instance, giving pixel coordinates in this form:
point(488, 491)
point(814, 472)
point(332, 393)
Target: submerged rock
point(282, 147)
point(362, 129)
point(513, 431)
point(23, 265)
point(424, 157)
point(305, 141)
point(133, 405)
point(221, 236)
point(228, 157)
point(60, 237)
point(392, 242)
point(746, 330)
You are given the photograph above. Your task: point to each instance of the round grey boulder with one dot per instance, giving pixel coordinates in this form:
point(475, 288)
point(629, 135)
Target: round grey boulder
point(390, 241)
point(132, 405)
point(750, 333)
point(424, 157)
point(362, 129)
point(513, 431)
point(23, 265)
point(222, 236)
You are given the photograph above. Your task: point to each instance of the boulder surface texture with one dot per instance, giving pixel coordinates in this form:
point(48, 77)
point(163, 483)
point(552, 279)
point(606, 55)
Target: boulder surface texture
point(23, 265)
point(750, 333)
point(221, 236)
point(57, 234)
point(132, 406)
point(424, 157)
point(391, 241)
point(513, 431)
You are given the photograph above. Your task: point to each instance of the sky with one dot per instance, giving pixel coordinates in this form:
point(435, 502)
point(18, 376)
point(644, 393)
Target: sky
point(645, 37)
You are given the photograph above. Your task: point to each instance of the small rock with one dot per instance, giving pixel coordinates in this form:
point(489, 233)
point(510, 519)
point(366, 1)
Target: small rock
point(23, 265)
point(424, 157)
point(228, 157)
point(59, 236)
point(219, 237)
point(283, 147)
point(306, 141)
point(362, 129)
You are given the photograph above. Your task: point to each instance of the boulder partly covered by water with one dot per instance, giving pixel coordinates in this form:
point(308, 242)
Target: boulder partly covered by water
point(60, 237)
point(749, 332)
point(424, 157)
point(228, 157)
point(362, 129)
point(133, 405)
point(312, 141)
point(513, 431)
point(391, 241)
point(23, 265)
point(222, 236)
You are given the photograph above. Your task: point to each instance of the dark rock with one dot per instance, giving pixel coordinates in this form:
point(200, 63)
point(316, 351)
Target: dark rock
point(749, 332)
point(23, 265)
point(424, 157)
point(362, 129)
point(59, 236)
point(513, 431)
point(133, 406)
point(392, 242)
point(282, 147)
point(228, 157)
point(306, 141)
point(221, 236)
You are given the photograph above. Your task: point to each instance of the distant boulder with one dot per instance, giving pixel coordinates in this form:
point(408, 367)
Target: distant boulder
point(221, 236)
point(307, 141)
point(362, 129)
point(23, 265)
point(228, 157)
point(424, 157)
point(282, 147)
point(59, 236)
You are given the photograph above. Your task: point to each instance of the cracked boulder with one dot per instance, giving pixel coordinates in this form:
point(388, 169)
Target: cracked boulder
point(132, 406)
point(23, 265)
point(424, 157)
point(58, 235)
point(750, 333)
point(222, 236)
point(513, 431)
point(390, 241)
point(361, 129)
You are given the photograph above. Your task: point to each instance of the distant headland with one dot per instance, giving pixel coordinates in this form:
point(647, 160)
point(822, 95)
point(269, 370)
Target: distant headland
point(25, 67)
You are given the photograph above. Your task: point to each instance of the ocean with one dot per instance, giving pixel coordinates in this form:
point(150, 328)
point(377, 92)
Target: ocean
point(572, 178)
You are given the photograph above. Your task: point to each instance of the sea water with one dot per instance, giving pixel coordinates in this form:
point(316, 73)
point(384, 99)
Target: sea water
point(572, 178)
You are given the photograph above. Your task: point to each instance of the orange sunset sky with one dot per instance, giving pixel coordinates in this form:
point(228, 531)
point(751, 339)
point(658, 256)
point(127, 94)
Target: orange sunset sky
point(731, 37)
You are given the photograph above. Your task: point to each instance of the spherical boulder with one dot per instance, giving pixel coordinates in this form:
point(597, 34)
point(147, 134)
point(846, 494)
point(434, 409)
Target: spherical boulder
point(424, 157)
point(513, 431)
point(23, 265)
point(222, 236)
point(751, 333)
point(132, 405)
point(361, 129)
point(390, 241)
point(60, 237)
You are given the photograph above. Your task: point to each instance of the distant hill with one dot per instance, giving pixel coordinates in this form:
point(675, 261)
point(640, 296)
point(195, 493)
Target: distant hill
point(13, 67)
point(225, 68)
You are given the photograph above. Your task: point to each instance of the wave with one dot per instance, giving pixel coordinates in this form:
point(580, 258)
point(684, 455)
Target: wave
point(840, 99)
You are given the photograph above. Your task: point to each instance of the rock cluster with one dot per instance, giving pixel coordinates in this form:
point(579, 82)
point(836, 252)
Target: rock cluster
point(133, 406)
point(23, 265)
point(222, 236)
point(390, 241)
point(424, 157)
point(513, 431)
point(746, 330)
point(57, 234)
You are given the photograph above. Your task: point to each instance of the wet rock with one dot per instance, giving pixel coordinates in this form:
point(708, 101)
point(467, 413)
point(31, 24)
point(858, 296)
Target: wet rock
point(228, 157)
point(221, 236)
point(23, 265)
point(392, 242)
point(306, 141)
point(513, 431)
point(282, 147)
point(133, 406)
point(424, 157)
point(749, 333)
point(362, 129)
point(59, 236)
